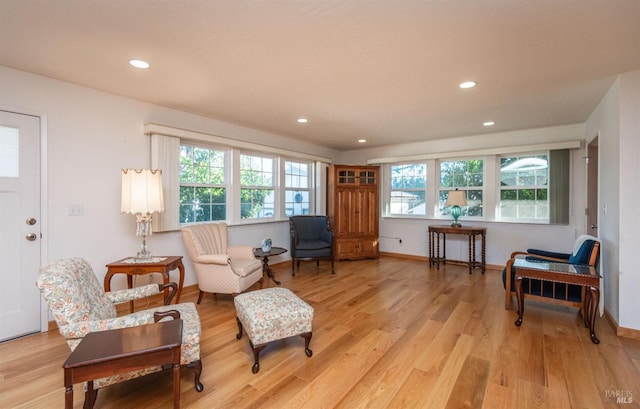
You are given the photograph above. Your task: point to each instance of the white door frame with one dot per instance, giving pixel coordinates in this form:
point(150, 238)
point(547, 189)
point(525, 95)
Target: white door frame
point(44, 213)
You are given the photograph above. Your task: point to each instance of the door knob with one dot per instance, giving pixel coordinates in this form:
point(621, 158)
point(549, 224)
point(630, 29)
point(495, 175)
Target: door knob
point(594, 226)
point(31, 236)
point(31, 221)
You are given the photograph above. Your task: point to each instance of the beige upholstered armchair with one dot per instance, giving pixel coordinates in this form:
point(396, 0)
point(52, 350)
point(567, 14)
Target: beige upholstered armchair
point(220, 269)
point(80, 306)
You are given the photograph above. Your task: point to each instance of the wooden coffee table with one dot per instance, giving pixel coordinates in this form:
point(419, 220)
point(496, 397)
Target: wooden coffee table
point(112, 352)
point(585, 276)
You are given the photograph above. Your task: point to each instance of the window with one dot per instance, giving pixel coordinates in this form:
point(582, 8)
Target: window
point(524, 187)
point(467, 175)
point(203, 187)
point(257, 193)
point(408, 189)
point(297, 194)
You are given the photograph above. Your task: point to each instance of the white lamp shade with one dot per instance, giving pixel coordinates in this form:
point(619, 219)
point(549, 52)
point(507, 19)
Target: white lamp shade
point(456, 198)
point(141, 191)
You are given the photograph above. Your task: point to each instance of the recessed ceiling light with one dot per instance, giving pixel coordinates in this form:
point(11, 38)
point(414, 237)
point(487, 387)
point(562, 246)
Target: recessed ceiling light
point(362, 140)
point(302, 120)
point(467, 84)
point(139, 63)
point(488, 123)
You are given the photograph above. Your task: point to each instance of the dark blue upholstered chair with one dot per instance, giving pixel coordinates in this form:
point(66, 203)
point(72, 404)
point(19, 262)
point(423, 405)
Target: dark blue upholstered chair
point(586, 251)
point(311, 239)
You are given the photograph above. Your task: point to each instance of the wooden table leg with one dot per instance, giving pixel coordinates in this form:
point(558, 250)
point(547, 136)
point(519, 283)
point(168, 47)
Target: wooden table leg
point(520, 297)
point(130, 285)
point(594, 295)
point(89, 397)
point(444, 248)
point(430, 248)
point(472, 258)
point(176, 386)
point(68, 397)
point(484, 252)
point(181, 283)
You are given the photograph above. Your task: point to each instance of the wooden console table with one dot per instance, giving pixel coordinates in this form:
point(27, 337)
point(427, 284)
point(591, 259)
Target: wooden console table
point(131, 267)
point(585, 276)
point(117, 351)
point(434, 245)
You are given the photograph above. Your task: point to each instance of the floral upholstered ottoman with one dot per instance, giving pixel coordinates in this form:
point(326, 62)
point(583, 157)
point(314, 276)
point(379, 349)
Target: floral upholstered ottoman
point(272, 314)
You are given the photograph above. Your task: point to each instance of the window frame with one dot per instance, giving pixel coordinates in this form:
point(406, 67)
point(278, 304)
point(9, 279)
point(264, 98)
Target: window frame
point(310, 189)
point(490, 190)
point(225, 185)
point(535, 187)
point(389, 189)
point(438, 205)
point(234, 186)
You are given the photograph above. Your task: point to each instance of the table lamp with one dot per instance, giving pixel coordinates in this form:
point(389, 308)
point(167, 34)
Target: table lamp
point(142, 196)
point(455, 199)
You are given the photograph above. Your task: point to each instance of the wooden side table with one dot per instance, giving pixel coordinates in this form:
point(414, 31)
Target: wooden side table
point(112, 352)
point(434, 245)
point(160, 264)
point(275, 251)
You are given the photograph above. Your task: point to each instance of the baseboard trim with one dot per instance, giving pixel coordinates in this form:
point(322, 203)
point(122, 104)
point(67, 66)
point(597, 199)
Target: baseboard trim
point(621, 331)
point(426, 260)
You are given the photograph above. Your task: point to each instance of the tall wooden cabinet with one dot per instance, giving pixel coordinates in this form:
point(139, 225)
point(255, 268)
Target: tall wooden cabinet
point(353, 210)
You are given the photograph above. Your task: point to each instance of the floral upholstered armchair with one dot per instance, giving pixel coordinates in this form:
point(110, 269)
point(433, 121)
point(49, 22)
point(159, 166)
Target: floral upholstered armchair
point(80, 306)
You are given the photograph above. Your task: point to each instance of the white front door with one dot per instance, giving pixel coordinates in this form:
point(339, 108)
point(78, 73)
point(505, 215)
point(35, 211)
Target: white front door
point(19, 224)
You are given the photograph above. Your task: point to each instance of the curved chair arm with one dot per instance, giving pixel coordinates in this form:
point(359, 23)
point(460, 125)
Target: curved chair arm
point(173, 289)
point(536, 256)
point(79, 329)
point(241, 252)
point(130, 294)
point(157, 316)
point(552, 254)
point(221, 259)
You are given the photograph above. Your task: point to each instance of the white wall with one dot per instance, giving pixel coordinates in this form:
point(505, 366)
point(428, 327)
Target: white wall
point(604, 123)
point(616, 121)
point(629, 199)
point(91, 137)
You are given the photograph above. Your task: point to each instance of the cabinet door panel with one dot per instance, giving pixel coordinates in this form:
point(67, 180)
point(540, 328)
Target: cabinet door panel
point(346, 248)
point(368, 248)
point(346, 202)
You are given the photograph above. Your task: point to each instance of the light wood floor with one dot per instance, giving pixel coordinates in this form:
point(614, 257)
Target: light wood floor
point(388, 333)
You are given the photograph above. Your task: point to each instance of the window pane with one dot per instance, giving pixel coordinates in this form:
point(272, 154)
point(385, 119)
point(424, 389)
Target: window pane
point(408, 189)
point(256, 171)
point(296, 202)
point(297, 192)
point(9, 152)
point(523, 181)
point(408, 202)
point(198, 204)
point(467, 175)
point(256, 203)
point(202, 184)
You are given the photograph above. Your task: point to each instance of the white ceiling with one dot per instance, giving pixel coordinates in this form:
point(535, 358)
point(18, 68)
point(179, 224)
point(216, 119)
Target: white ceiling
point(383, 70)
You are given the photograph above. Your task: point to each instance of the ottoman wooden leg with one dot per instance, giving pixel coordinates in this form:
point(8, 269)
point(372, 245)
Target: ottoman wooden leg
point(256, 356)
point(239, 335)
point(307, 340)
